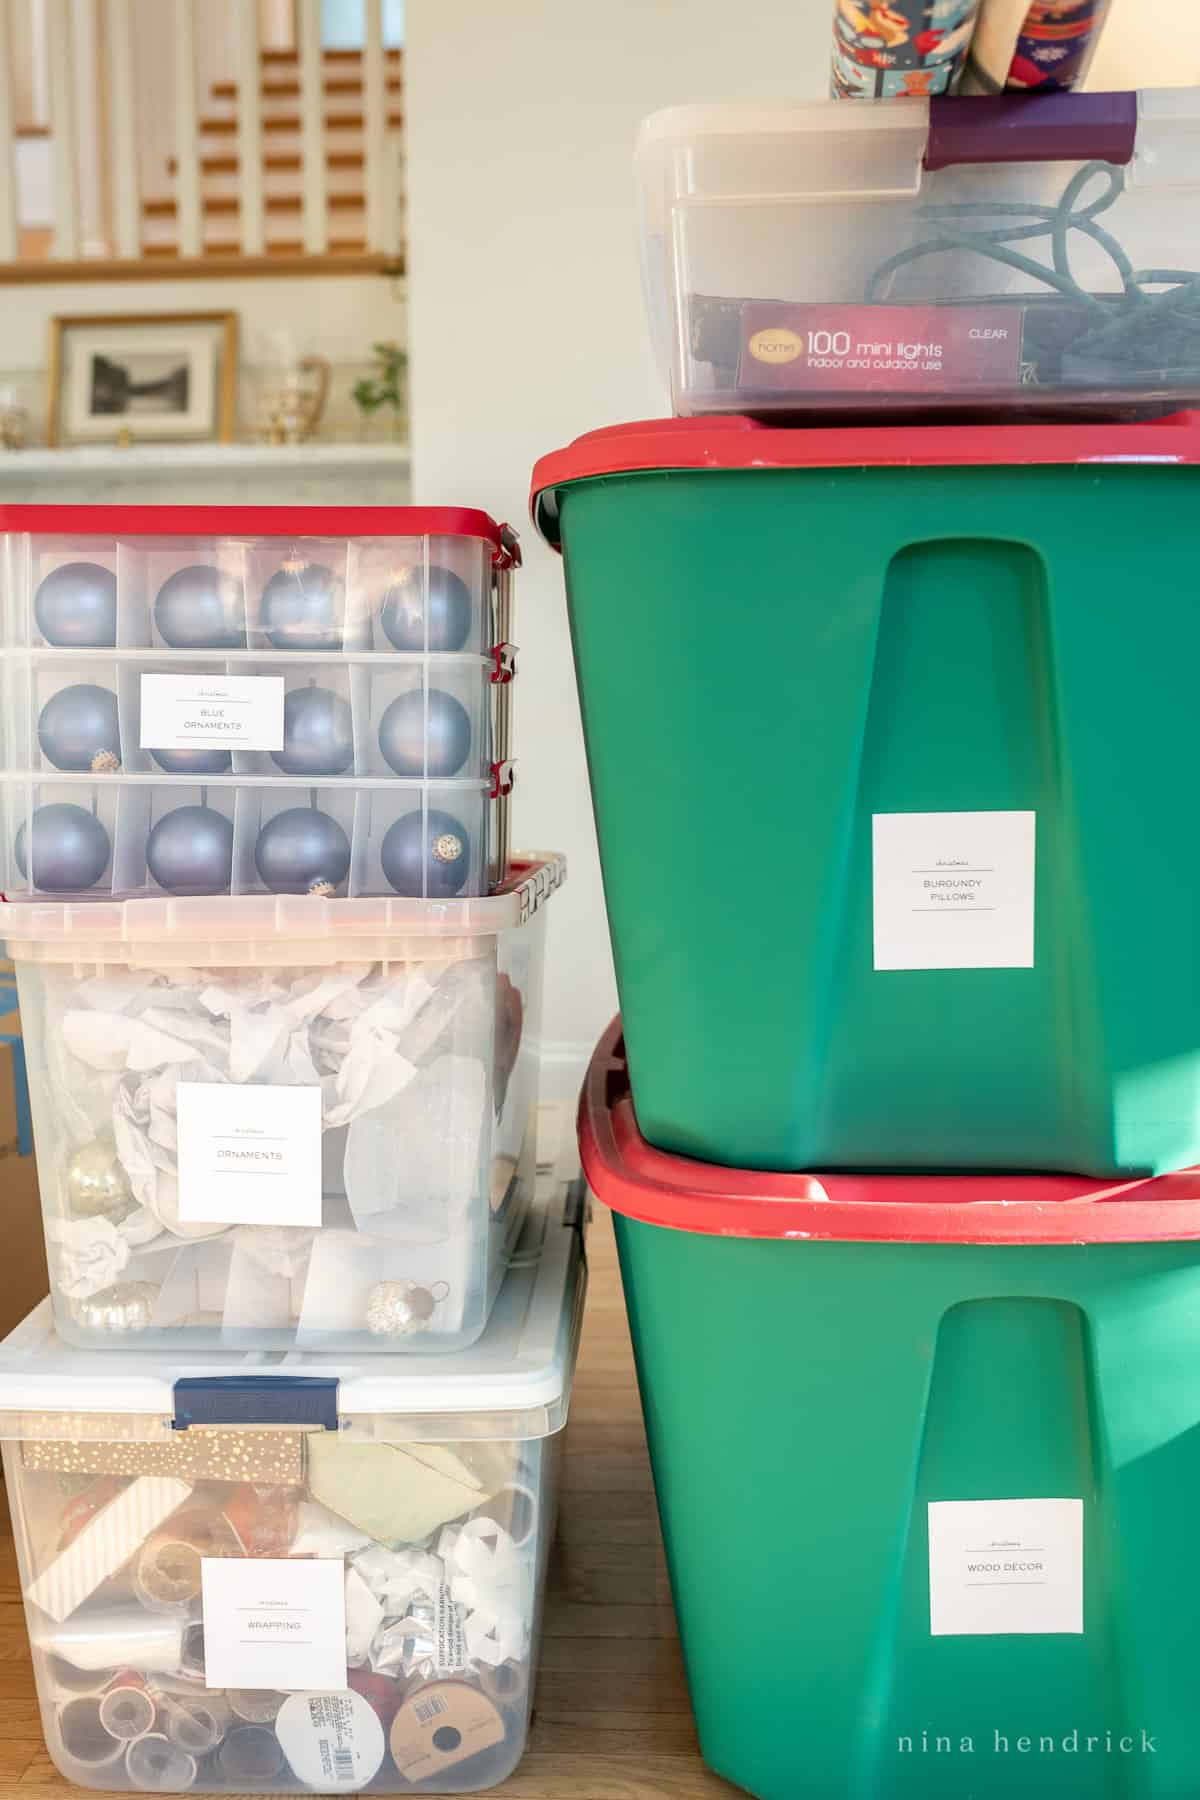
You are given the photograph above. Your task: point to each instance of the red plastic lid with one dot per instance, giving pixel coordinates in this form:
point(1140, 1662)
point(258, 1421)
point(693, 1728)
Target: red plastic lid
point(628, 1175)
point(738, 443)
point(264, 521)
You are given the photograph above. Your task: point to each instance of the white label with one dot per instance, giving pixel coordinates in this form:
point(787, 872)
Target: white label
point(999, 1567)
point(212, 712)
point(274, 1622)
point(954, 890)
point(248, 1155)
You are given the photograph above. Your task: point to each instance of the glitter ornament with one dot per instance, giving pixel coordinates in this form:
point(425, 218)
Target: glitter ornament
point(197, 763)
point(301, 607)
point(399, 1308)
point(201, 608)
point(127, 1307)
point(318, 734)
point(78, 729)
point(425, 734)
point(71, 849)
point(448, 611)
point(96, 1183)
point(425, 856)
point(302, 851)
point(190, 851)
point(76, 607)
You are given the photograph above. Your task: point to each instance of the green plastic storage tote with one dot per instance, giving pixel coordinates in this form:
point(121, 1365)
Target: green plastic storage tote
point(927, 1457)
point(893, 744)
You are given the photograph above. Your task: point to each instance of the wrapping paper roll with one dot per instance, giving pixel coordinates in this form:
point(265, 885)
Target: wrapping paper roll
point(1034, 44)
point(891, 47)
point(105, 1543)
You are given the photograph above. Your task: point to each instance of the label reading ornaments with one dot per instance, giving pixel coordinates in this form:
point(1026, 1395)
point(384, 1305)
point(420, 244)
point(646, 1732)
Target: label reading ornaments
point(249, 1156)
point(274, 1622)
point(954, 890)
point(221, 712)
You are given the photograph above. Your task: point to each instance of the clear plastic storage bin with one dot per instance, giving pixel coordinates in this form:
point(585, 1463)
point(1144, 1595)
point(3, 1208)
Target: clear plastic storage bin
point(282, 1120)
point(1037, 254)
point(247, 1576)
point(319, 696)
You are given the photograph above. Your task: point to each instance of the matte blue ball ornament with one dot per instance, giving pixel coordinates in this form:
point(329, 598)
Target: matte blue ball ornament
point(426, 856)
point(318, 734)
point(302, 607)
point(403, 616)
point(302, 851)
point(417, 739)
point(76, 606)
point(201, 608)
point(78, 729)
point(71, 849)
point(190, 851)
point(196, 763)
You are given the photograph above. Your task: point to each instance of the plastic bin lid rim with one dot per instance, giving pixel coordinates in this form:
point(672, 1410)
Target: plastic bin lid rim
point(523, 1363)
point(716, 445)
point(631, 1177)
point(263, 521)
point(98, 927)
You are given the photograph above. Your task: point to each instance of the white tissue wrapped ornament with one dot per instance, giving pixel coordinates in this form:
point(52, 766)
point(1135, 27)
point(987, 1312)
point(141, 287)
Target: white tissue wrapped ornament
point(89, 1254)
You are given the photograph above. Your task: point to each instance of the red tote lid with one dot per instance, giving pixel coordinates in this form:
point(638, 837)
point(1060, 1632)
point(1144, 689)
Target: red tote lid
point(646, 1184)
point(265, 521)
point(724, 443)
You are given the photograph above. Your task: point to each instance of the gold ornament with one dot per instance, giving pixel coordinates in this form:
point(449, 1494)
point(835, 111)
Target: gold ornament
point(129, 1306)
point(97, 1186)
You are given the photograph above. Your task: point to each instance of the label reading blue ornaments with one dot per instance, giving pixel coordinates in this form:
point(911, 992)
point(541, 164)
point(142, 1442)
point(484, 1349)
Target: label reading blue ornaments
point(212, 712)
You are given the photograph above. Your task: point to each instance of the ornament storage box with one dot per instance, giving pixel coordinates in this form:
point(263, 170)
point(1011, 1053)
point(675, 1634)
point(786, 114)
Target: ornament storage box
point(232, 700)
point(247, 1575)
point(1024, 253)
point(277, 1120)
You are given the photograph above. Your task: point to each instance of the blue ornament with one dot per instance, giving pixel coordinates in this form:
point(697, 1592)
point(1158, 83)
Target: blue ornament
point(201, 608)
point(76, 606)
point(318, 733)
point(426, 857)
point(71, 849)
point(302, 606)
point(193, 762)
point(78, 729)
point(420, 740)
point(190, 851)
point(448, 608)
point(302, 851)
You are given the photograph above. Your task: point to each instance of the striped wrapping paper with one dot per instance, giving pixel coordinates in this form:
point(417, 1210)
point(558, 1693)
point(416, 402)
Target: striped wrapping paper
point(106, 1543)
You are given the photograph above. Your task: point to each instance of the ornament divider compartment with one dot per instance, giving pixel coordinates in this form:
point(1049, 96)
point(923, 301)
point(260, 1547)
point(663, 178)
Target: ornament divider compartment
point(225, 658)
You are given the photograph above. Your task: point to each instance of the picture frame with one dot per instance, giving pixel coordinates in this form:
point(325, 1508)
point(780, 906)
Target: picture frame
point(124, 378)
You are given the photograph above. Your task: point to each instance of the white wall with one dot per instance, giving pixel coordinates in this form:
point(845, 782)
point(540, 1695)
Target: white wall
point(526, 319)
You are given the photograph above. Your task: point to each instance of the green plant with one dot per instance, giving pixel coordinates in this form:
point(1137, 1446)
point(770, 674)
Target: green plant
point(384, 387)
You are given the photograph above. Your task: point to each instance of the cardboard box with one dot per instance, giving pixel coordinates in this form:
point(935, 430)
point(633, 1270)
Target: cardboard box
point(24, 1282)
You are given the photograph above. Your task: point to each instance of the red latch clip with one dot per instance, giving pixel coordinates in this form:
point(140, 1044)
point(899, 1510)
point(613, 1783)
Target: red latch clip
point(503, 775)
point(504, 658)
point(508, 556)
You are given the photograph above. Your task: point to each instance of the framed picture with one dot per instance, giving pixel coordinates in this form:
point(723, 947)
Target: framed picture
point(132, 377)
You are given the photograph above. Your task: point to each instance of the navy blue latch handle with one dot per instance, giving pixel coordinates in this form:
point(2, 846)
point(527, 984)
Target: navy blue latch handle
point(309, 1400)
point(1031, 128)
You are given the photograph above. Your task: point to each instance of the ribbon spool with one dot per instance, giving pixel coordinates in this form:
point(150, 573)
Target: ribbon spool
point(257, 1706)
point(126, 1711)
point(194, 1725)
point(157, 1766)
point(440, 1725)
point(250, 1754)
point(85, 1738)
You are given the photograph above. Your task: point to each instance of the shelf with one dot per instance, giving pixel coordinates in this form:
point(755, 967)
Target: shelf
point(162, 460)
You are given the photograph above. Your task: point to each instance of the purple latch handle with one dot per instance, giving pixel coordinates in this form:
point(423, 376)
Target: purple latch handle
point(1028, 128)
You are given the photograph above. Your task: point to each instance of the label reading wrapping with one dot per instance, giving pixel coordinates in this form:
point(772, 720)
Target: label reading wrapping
point(248, 1155)
point(954, 890)
point(999, 1567)
point(274, 1622)
point(213, 712)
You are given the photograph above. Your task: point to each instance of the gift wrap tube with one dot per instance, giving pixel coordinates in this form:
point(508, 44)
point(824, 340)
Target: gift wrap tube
point(1039, 45)
point(115, 1637)
point(901, 47)
point(84, 1735)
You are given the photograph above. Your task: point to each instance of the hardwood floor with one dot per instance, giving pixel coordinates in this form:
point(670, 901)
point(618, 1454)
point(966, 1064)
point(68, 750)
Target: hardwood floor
point(612, 1720)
